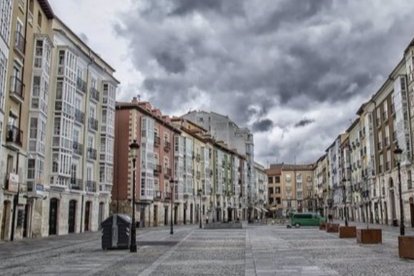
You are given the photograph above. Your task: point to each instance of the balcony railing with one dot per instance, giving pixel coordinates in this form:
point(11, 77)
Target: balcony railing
point(14, 135)
point(157, 141)
point(75, 183)
point(158, 195)
point(167, 195)
point(16, 88)
point(167, 146)
point(94, 94)
point(93, 123)
point(91, 153)
point(79, 116)
point(81, 85)
point(20, 43)
point(77, 148)
point(90, 186)
point(157, 170)
point(167, 172)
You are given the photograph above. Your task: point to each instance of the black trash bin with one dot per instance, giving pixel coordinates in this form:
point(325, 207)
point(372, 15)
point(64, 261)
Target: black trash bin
point(116, 232)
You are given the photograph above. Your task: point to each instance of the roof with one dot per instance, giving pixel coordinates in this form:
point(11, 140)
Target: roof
point(47, 9)
point(134, 105)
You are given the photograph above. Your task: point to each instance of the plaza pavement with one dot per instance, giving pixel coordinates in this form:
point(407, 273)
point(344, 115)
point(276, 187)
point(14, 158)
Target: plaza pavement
point(254, 250)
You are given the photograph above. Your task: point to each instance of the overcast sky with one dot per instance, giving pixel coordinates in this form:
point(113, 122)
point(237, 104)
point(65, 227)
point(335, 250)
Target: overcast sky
point(293, 71)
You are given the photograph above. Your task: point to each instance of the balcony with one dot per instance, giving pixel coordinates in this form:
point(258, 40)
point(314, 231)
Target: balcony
point(91, 153)
point(167, 146)
point(14, 135)
point(167, 172)
point(167, 195)
point(93, 124)
point(157, 141)
point(94, 94)
point(75, 184)
point(198, 157)
point(16, 89)
point(79, 116)
point(77, 148)
point(157, 170)
point(81, 85)
point(20, 43)
point(158, 195)
point(90, 186)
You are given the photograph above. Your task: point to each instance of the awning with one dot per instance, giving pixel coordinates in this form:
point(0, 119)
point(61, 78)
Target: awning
point(265, 210)
point(258, 209)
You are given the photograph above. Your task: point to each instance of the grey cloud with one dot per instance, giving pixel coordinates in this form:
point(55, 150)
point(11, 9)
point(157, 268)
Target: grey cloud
point(183, 7)
point(304, 122)
point(171, 63)
point(250, 57)
point(291, 11)
point(262, 125)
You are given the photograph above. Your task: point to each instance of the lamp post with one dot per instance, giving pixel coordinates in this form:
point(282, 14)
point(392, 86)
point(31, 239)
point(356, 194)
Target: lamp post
point(172, 184)
point(133, 147)
point(344, 199)
point(397, 153)
point(199, 208)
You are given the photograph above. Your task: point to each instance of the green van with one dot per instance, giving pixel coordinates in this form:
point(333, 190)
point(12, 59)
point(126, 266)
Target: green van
point(306, 219)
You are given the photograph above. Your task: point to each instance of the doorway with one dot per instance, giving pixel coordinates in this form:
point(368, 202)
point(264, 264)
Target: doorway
point(185, 213)
point(72, 216)
point(88, 207)
point(392, 202)
point(155, 215)
point(101, 214)
point(412, 211)
point(5, 220)
point(166, 215)
point(53, 216)
point(191, 213)
point(26, 221)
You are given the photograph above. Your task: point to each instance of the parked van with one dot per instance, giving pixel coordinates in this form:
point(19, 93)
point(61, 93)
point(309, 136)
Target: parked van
point(306, 219)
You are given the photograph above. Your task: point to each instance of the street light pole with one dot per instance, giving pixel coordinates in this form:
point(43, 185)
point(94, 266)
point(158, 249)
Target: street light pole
point(134, 146)
point(172, 184)
point(199, 207)
point(344, 199)
point(397, 153)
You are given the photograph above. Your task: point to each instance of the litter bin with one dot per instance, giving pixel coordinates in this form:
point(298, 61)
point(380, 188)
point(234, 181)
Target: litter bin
point(116, 232)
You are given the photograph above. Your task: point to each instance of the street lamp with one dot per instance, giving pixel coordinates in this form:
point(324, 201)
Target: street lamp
point(344, 199)
point(397, 153)
point(172, 184)
point(199, 207)
point(133, 147)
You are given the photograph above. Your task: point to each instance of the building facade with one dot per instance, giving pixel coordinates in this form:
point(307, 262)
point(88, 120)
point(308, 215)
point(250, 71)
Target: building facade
point(59, 134)
point(154, 168)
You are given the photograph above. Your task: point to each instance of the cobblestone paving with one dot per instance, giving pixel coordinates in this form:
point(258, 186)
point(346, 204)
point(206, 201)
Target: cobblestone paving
point(254, 250)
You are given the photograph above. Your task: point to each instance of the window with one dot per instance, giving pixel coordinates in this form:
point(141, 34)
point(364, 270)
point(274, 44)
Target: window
point(5, 17)
point(270, 190)
point(31, 168)
point(409, 180)
point(287, 177)
point(270, 179)
point(278, 200)
point(277, 179)
point(277, 190)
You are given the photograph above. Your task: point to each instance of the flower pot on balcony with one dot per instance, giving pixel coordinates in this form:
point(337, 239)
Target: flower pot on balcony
point(347, 232)
point(369, 236)
point(332, 227)
point(406, 247)
point(322, 226)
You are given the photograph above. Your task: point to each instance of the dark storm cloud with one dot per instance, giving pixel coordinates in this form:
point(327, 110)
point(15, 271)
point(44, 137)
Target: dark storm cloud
point(171, 63)
point(262, 125)
point(249, 58)
point(291, 11)
point(304, 122)
point(183, 7)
